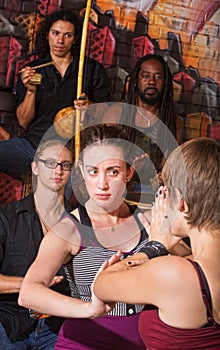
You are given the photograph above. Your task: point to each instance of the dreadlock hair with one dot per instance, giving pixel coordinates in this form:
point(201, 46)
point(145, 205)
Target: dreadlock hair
point(41, 44)
point(166, 105)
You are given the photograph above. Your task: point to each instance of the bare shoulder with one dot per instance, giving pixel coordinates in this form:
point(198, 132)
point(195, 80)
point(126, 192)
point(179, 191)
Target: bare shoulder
point(173, 271)
point(67, 232)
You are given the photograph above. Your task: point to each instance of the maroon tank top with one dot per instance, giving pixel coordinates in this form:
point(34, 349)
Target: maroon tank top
point(159, 336)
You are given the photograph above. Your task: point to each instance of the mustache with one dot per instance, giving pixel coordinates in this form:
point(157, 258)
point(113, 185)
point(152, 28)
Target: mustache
point(150, 88)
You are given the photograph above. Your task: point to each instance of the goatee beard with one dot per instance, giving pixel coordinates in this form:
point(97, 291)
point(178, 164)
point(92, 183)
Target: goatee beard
point(149, 100)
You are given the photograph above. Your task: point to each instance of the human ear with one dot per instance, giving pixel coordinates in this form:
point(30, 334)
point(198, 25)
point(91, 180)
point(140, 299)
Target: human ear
point(130, 173)
point(34, 168)
point(81, 168)
point(181, 204)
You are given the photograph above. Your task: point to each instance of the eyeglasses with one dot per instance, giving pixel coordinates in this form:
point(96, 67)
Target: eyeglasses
point(52, 164)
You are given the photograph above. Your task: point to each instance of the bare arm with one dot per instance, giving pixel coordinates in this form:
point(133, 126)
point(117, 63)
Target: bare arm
point(35, 292)
point(26, 110)
point(10, 284)
point(141, 284)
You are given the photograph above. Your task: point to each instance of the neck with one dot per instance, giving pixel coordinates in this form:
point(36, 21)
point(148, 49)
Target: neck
point(107, 218)
point(150, 108)
point(62, 63)
point(204, 243)
point(146, 115)
point(48, 201)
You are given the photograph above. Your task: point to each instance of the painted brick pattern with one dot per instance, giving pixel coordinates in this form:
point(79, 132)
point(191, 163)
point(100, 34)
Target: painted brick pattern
point(185, 32)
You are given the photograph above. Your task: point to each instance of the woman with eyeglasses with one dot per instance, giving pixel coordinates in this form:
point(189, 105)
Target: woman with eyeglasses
point(23, 224)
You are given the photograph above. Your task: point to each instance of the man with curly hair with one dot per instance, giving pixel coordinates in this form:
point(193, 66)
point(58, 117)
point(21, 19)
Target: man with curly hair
point(57, 40)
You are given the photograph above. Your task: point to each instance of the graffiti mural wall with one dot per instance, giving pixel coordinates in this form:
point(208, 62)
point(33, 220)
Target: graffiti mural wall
point(185, 32)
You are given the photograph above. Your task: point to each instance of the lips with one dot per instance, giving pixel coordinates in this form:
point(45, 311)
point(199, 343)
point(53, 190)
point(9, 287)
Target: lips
point(59, 48)
point(57, 180)
point(150, 91)
point(103, 196)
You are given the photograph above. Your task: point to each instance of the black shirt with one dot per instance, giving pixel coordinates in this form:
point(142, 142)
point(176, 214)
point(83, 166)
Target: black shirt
point(20, 237)
point(55, 93)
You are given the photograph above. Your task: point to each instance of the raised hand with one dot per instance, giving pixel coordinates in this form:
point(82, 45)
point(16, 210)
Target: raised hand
point(27, 74)
point(161, 224)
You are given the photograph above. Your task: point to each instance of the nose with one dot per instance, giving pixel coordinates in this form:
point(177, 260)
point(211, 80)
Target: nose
point(102, 182)
point(58, 169)
point(151, 79)
point(60, 38)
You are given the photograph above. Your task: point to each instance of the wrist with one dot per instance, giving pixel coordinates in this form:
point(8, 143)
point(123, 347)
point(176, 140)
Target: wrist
point(154, 249)
point(31, 92)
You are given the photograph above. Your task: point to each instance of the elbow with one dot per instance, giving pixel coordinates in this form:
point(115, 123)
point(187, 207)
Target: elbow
point(98, 288)
point(23, 125)
point(23, 299)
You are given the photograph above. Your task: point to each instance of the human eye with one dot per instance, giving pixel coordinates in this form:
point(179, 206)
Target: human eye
point(68, 35)
point(55, 32)
point(50, 163)
point(92, 172)
point(66, 165)
point(146, 76)
point(158, 76)
point(113, 172)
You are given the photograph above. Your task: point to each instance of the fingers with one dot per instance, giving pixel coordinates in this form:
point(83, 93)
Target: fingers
point(56, 280)
point(115, 258)
point(144, 220)
point(160, 205)
point(26, 74)
point(139, 161)
point(136, 262)
point(156, 182)
point(82, 102)
point(160, 223)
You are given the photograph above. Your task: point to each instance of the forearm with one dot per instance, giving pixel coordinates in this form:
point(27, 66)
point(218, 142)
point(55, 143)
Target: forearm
point(10, 284)
point(26, 110)
point(42, 299)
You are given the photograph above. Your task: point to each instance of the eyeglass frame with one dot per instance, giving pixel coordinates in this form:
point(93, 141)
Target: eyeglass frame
point(44, 161)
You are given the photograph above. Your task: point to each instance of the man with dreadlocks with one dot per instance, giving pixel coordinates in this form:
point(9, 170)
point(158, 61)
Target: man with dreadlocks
point(149, 114)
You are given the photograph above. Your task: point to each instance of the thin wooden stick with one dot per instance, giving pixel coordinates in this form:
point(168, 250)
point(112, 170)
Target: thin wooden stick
point(40, 66)
point(80, 78)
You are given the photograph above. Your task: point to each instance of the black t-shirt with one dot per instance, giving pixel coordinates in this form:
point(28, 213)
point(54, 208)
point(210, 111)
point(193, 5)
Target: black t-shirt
point(55, 93)
point(20, 236)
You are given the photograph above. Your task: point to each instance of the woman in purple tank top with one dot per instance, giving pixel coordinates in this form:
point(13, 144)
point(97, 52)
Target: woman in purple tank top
point(102, 225)
point(181, 296)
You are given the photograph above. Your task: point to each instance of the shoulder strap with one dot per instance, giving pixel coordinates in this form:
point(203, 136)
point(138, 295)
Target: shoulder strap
point(85, 227)
point(206, 295)
point(84, 217)
point(135, 211)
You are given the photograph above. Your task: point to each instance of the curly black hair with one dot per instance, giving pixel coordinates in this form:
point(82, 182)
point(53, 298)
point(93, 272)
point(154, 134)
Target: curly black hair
point(41, 44)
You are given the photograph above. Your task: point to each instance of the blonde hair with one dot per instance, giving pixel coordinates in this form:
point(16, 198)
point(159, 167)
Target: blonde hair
point(50, 143)
point(194, 169)
point(41, 148)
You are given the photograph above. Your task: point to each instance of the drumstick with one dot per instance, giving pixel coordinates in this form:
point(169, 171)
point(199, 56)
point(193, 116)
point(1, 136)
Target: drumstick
point(79, 82)
point(40, 66)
